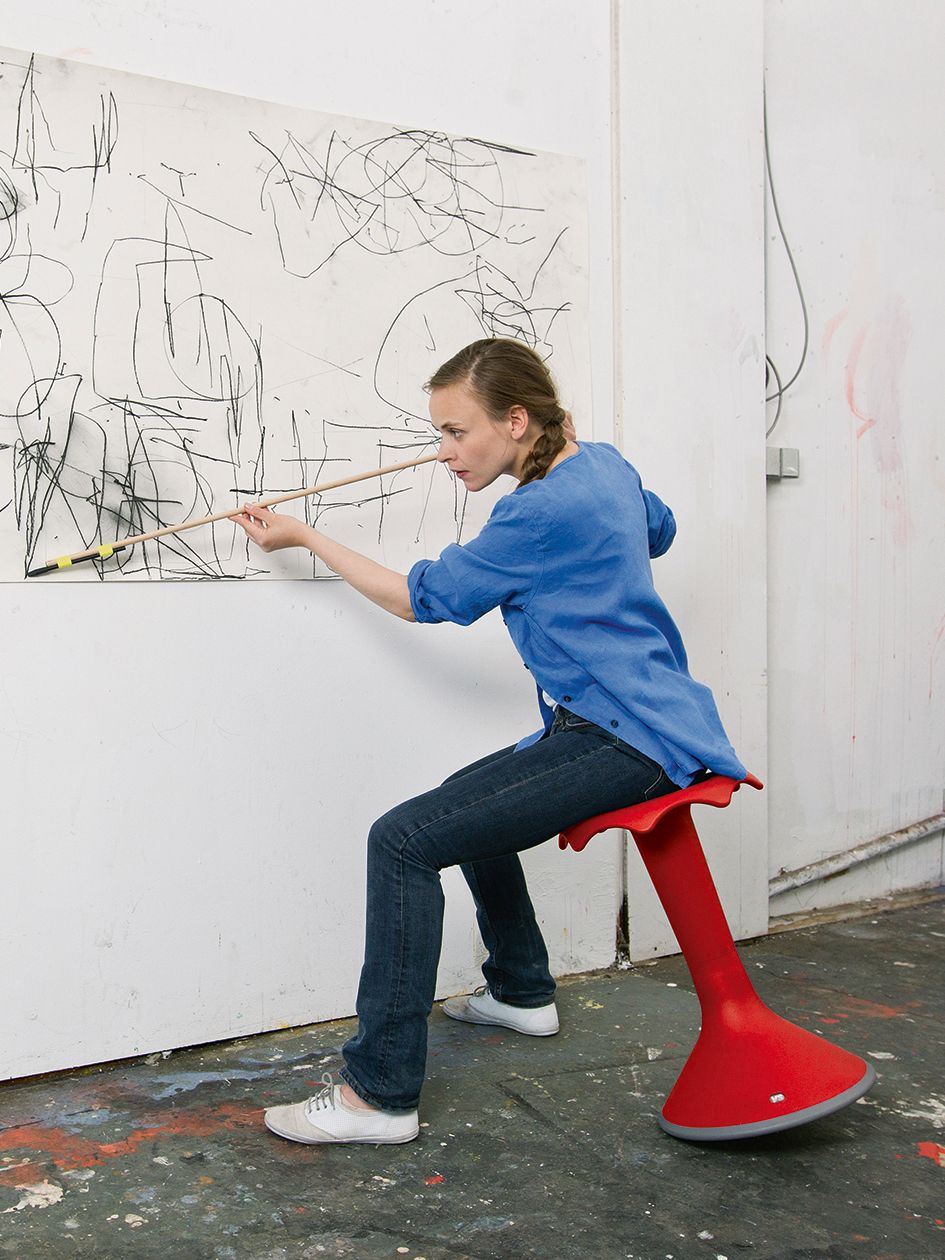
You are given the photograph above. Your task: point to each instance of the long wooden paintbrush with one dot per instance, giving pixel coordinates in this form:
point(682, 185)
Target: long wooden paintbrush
point(103, 553)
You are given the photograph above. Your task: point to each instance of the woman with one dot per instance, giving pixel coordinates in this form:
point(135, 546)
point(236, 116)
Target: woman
point(566, 558)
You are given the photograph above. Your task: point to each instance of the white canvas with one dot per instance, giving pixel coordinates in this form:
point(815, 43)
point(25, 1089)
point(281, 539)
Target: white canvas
point(206, 299)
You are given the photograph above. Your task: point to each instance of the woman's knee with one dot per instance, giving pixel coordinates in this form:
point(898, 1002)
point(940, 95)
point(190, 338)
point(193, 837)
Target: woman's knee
point(384, 835)
point(398, 835)
point(391, 833)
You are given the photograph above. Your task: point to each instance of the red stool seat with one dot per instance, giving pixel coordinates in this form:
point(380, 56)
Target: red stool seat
point(750, 1072)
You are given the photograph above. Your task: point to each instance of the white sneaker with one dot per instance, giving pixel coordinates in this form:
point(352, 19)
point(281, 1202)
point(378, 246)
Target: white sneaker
point(482, 1008)
point(326, 1117)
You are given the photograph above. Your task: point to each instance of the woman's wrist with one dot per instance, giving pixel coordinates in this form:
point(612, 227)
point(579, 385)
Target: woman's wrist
point(309, 537)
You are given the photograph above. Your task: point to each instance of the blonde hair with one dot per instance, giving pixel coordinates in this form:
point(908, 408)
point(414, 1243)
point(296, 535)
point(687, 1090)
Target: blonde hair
point(503, 373)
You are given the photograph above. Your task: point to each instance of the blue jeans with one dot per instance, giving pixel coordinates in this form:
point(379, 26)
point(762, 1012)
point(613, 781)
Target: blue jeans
point(480, 818)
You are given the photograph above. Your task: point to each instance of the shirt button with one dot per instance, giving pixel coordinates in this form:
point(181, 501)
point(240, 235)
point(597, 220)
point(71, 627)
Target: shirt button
point(614, 722)
point(567, 699)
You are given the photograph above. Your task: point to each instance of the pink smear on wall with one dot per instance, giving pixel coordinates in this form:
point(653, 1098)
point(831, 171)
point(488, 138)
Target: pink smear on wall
point(850, 381)
point(872, 376)
point(936, 644)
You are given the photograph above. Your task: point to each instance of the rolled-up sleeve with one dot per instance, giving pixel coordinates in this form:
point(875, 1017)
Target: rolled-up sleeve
point(501, 565)
point(660, 524)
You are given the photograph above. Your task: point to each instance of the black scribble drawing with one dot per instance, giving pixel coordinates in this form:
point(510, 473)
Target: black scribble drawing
point(222, 299)
point(392, 194)
point(484, 302)
point(36, 153)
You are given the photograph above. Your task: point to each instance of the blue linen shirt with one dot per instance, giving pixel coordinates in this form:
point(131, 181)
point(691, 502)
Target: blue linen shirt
point(567, 561)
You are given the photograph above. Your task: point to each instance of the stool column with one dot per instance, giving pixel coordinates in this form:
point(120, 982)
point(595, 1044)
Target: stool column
point(675, 861)
point(750, 1072)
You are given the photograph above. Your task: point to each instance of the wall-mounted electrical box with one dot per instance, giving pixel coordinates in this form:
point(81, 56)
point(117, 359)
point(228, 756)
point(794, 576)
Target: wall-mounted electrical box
point(782, 461)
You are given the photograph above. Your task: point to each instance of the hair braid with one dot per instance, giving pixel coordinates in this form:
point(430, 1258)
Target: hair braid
point(550, 441)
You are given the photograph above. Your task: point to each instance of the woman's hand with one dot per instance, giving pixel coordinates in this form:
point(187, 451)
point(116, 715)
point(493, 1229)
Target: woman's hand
point(384, 587)
point(269, 531)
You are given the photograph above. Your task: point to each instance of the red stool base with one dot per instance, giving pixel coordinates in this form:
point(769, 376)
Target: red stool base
point(750, 1072)
point(758, 1128)
point(760, 1074)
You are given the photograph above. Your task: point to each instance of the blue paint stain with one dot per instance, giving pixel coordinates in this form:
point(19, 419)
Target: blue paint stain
point(68, 1120)
point(141, 1197)
point(184, 1082)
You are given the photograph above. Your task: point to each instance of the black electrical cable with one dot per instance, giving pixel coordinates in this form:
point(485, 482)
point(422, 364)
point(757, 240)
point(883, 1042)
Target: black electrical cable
point(769, 363)
point(782, 389)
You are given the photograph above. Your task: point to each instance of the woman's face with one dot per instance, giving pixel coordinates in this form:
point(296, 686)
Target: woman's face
point(473, 446)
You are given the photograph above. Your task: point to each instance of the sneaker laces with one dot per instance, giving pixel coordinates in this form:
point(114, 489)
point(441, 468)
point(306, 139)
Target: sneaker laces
point(324, 1100)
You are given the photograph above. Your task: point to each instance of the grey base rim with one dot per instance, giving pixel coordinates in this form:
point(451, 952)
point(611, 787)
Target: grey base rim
point(790, 1120)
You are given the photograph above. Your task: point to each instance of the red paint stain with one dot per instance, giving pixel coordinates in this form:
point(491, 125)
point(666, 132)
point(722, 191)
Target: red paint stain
point(20, 1174)
point(65, 1149)
point(850, 381)
point(434, 1181)
point(873, 374)
point(210, 1120)
point(873, 1010)
point(829, 329)
point(932, 1151)
point(68, 1151)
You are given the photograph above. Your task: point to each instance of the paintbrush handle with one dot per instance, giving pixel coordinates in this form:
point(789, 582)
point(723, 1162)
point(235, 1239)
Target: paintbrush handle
point(106, 550)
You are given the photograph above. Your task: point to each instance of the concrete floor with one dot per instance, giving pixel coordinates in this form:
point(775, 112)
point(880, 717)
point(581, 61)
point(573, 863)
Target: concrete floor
point(530, 1147)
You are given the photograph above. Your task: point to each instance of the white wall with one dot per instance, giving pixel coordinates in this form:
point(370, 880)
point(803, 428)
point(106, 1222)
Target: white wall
point(855, 102)
point(285, 716)
point(691, 356)
point(189, 772)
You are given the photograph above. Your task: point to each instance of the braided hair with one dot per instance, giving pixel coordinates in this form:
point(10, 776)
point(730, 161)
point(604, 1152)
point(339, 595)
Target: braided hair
point(502, 374)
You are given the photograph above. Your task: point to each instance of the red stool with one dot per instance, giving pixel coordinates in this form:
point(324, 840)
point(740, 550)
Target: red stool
point(750, 1072)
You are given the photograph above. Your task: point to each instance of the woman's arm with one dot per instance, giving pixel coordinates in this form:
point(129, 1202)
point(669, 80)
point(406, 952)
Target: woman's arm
point(272, 532)
point(660, 523)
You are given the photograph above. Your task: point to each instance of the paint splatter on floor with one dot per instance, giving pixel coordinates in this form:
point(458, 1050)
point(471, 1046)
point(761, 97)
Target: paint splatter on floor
point(39, 1196)
point(932, 1151)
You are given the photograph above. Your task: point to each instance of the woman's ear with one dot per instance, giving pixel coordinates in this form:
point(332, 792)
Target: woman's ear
point(518, 420)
